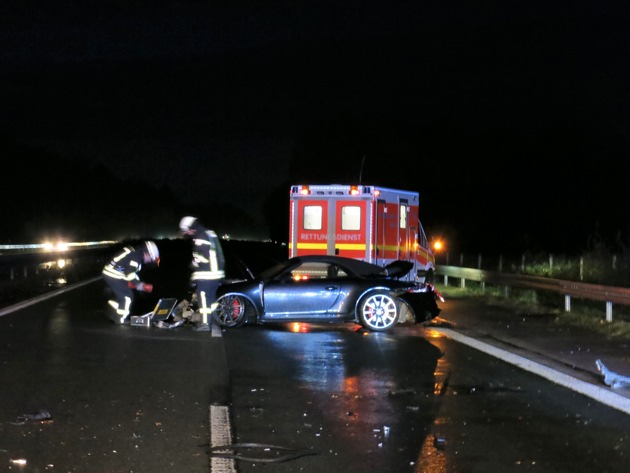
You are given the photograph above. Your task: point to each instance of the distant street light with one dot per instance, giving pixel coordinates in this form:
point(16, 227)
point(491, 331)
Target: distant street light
point(438, 246)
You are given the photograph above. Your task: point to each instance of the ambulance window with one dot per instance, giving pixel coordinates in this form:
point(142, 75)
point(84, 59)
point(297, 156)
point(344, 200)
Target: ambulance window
point(313, 217)
point(350, 217)
point(403, 216)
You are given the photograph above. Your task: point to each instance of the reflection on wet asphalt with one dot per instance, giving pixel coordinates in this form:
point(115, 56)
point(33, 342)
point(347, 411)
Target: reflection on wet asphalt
point(410, 400)
point(332, 387)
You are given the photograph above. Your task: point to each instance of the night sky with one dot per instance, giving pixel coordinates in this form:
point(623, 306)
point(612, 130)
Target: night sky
point(511, 119)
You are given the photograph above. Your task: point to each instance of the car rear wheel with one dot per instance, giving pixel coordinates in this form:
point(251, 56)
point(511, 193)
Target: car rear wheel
point(230, 311)
point(378, 311)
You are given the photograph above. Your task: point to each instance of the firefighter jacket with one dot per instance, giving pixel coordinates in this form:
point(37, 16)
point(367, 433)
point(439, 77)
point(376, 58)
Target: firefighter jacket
point(125, 265)
point(208, 261)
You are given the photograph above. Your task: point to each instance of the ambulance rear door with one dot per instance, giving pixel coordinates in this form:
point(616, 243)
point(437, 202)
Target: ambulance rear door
point(309, 227)
point(351, 220)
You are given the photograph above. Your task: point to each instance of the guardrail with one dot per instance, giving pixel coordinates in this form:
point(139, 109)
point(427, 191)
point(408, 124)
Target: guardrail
point(30, 263)
point(608, 294)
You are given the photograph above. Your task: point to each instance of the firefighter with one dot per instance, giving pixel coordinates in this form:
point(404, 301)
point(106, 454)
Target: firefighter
point(208, 267)
point(121, 275)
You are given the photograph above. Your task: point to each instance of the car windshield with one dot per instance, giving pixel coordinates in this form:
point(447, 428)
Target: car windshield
point(273, 270)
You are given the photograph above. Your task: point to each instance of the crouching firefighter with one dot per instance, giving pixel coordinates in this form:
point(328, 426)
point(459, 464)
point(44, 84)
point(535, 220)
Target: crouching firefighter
point(208, 266)
point(121, 276)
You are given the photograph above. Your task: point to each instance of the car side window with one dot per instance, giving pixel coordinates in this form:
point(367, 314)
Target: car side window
point(307, 271)
point(335, 272)
point(313, 271)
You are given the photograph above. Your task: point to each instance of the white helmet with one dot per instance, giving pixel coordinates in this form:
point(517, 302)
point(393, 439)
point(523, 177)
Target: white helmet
point(186, 222)
point(153, 251)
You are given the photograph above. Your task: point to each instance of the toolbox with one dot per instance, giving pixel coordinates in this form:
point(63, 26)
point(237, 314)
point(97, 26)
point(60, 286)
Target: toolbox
point(142, 320)
point(162, 311)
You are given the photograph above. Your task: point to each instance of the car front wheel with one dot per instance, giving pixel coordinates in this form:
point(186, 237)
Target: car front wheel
point(378, 311)
point(230, 311)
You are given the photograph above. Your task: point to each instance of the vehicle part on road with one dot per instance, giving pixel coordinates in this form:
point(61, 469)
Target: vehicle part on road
point(611, 378)
point(222, 451)
point(39, 416)
point(163, 324)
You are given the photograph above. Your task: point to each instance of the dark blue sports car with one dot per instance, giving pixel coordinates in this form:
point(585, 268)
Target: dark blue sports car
point(326, 288)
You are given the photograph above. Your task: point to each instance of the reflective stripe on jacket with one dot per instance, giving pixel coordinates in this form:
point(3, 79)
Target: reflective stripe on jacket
point(125, 265)
point(208, 262)
point(207, 275)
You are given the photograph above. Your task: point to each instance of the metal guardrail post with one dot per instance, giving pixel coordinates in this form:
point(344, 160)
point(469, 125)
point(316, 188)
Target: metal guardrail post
point(608, 311)
point(595, 292)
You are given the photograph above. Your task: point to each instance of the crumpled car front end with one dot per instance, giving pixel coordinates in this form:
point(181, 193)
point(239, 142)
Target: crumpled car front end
point(422, 299)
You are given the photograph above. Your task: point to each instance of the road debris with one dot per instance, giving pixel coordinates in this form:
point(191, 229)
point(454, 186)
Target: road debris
point(612, 379)
point(439, 442)
point(165, 324)
point(39, 416)
point(266, 453)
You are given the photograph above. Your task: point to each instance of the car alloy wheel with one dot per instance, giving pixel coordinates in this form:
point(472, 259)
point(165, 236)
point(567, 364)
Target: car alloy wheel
point(230, 311)
point(378, 311)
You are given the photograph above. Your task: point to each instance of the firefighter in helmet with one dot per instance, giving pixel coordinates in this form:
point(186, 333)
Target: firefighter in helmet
point(121, 276)
point(208, 266)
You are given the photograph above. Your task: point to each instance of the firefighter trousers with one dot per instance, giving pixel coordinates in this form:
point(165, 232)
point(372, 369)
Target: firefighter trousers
point(206, 291)
point(123, 298)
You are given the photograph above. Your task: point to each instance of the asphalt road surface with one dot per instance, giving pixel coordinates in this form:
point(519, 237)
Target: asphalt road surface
point(80, 394)
point(410, 400)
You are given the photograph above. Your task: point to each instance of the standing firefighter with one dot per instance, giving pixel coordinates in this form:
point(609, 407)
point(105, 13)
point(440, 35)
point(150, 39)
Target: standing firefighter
point(208, 266)
point(121, 275)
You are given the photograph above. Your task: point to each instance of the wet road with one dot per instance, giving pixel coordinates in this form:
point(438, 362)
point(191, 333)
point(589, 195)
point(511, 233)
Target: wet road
point(331, 393)
point(135, 399)
point(121, 398)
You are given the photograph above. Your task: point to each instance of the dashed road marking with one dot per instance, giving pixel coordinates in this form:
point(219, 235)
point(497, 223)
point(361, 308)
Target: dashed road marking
point(220, 435)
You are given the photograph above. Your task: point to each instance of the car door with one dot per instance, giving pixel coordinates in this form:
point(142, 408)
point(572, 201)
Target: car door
point(307, 293)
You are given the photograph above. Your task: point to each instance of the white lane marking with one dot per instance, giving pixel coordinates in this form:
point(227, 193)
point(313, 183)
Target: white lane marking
point(216, 330)
point(600, 394)
point(48, 295)
point(220, 435)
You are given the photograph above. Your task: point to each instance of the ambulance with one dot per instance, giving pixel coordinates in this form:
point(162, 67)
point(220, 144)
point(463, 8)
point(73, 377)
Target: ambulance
point(369, 223)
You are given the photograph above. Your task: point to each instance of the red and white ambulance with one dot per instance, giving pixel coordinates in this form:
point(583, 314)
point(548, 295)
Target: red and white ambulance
point(369, 223)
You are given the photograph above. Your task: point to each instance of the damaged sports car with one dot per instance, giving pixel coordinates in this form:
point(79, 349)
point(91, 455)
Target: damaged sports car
point(327, 289)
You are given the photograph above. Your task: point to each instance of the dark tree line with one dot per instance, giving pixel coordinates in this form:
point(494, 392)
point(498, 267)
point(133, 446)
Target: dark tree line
point(47, 196)
point(490, 190)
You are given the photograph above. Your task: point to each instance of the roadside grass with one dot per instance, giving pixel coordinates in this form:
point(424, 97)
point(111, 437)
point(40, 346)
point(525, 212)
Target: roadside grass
point(584, 314)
